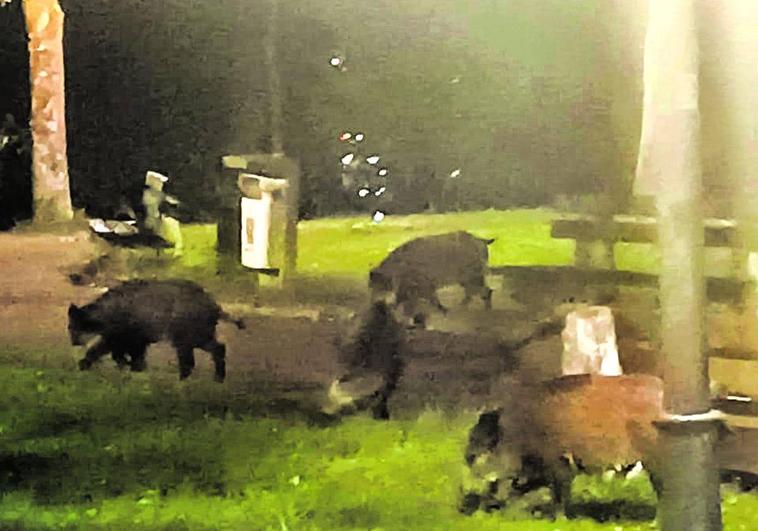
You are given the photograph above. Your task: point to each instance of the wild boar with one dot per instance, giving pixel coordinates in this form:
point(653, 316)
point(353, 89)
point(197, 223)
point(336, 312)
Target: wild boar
point(548, 432)
point(138, 313)
point(418, 268)
point(373, 358)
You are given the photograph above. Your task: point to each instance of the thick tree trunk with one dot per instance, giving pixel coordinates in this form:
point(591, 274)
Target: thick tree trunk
point(44, 23)
point(669, 167)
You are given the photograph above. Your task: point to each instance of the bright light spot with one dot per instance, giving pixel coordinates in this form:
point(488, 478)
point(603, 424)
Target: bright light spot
point(383, 172)
point(345, 136)
point(378, 216)
point(380, 191)
point(455, 173)
point(455, 80)
point(359, 137)
point(347, 159)
point(363, 192)
point(373, 159)
point(335, 61)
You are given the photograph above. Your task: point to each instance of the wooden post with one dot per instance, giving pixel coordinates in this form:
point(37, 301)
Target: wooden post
point(44, 25)
point(274, 82)
point(669, 168)
point(291, 170)
point(597, 254)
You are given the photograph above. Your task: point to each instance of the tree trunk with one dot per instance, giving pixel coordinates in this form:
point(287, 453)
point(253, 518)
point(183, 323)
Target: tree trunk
point(669, 167)
point(52, 199)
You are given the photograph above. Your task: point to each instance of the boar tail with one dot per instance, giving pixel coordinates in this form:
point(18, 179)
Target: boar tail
point(239, 323)
point(488, 241)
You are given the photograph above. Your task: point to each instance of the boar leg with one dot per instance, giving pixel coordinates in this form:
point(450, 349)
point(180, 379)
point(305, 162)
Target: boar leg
point(218, 351)
point(94, 353)
point(479, 288)
point(561, 478)
point(137, 353)
point(380, 410)
point(119, 356)
point(186, 361)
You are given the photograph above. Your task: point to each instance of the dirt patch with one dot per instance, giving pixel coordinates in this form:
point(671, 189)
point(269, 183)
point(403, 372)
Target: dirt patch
point(289, 347)
point(34, 287)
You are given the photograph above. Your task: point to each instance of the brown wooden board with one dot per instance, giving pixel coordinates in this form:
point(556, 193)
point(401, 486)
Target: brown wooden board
point(740, 377)
point(635, 231)
point(739, 450)
point(719, 289)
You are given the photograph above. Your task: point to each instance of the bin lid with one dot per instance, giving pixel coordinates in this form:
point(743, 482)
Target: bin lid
point(248, 181)
point(234, 162)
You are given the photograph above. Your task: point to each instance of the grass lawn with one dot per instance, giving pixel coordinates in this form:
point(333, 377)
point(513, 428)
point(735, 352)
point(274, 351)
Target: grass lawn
point(349, 247)
point(118, 451)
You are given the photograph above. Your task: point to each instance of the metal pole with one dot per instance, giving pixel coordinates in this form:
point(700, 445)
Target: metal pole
point(669, 167)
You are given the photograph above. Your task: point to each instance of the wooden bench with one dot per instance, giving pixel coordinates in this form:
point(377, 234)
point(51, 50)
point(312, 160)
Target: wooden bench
point(739, 401)
point(587, 231)
point(596, 235)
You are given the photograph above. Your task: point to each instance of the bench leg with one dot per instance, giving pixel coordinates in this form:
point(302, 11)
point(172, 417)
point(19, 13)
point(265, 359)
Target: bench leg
point(594, 254)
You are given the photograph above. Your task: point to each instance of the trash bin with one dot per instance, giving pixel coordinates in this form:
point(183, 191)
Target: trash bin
point(257, 224)
point(263, 222)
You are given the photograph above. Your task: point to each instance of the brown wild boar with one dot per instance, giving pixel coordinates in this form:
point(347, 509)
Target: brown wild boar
point(546, 433)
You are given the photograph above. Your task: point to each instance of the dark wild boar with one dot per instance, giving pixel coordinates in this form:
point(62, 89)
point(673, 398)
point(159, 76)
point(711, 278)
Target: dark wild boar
point(548, 432)
point(373, 358)
point(138, 313)
point(418, 268)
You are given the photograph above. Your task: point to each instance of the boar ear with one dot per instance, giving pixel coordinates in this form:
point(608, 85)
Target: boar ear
point(489, 241)
point(73, 310)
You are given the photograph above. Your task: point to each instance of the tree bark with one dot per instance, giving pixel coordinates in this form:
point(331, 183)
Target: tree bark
point(669, 167)
point(52, 198)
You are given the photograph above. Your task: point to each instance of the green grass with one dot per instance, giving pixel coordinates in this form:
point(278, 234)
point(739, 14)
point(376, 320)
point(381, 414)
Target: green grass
point(115, 451)
point(349, 247)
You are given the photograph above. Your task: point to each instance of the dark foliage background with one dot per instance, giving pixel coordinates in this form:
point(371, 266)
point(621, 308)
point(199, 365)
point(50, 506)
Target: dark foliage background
point(531, 100)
